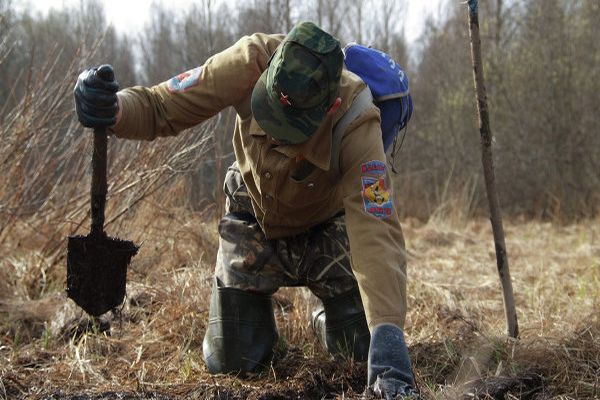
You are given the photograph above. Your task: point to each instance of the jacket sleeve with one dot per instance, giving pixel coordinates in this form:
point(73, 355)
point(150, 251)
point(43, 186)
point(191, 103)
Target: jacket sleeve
point(225, 79)
point(376, 240)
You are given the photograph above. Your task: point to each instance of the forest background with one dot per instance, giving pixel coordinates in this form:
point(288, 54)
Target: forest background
point(541, 62)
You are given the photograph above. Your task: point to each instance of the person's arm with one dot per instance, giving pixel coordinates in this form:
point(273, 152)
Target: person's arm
point(378, 255)
point(194, 96)
point(376, 241)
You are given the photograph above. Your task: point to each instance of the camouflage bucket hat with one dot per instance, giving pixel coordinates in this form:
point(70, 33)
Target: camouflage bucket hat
point(293, 94)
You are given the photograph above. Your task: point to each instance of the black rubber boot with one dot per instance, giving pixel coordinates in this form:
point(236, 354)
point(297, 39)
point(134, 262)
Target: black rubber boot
point(341, 326)
point(241, 331)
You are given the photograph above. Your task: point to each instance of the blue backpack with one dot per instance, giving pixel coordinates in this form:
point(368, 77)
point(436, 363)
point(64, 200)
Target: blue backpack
point(387, 89)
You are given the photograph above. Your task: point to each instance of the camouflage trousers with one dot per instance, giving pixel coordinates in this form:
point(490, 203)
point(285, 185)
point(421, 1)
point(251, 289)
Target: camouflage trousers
point(318, 259)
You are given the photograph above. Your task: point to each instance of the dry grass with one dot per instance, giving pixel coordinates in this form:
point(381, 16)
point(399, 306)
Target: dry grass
point(455, 324)
point(456, 305)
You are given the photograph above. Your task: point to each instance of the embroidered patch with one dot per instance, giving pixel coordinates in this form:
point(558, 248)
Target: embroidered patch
point(185, 80)
point(374, 167)
point(376, 197)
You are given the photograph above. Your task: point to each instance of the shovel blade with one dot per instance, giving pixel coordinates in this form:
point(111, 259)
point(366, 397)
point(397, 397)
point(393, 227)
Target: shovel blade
point(97, 271)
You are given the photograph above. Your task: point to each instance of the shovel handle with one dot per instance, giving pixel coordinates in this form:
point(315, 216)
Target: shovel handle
point(99, 186)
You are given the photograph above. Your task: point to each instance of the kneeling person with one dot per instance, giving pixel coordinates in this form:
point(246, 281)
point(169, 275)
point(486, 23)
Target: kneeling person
point(289, 220)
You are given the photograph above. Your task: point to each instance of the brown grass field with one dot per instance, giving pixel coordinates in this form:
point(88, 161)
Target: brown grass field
point(151, 348)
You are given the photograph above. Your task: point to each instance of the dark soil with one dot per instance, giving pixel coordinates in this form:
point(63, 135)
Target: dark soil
point(525, 386)
point(298, 379)
point(97, 271)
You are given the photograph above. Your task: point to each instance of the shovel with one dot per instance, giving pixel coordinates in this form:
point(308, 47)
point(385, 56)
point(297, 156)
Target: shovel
point(97, 264)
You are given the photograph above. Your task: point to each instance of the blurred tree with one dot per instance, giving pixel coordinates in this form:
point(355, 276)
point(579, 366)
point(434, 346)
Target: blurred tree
point(441, 151)
point(545, 99)
point(39, 46)
point(542, 88)
point(540, 57)
point(161, 52)
point(173, 42)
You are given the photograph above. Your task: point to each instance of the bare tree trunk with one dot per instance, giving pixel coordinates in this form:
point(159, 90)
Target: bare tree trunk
point(209, 28)
point(499, 23)
point(320, 12)
point(388, 13)
point(288, 16)
point(488, 169)
point(269, 21)
point(336, 14)
point(359, 19)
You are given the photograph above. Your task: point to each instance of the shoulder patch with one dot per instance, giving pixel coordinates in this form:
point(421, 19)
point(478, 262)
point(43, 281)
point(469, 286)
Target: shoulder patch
point(374, 167)
point(377, 198)
point(185, 80)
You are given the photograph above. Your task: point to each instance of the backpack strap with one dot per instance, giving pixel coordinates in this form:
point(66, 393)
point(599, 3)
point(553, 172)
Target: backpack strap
point(361, 102)
point(392, 96)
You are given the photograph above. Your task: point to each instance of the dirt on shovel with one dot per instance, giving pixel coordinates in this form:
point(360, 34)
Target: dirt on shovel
point(97, 264)
point(97, 272)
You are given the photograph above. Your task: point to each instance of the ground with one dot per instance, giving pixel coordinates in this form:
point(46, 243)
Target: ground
point(151, 347)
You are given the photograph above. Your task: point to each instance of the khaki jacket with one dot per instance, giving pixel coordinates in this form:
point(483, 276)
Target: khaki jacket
point(291, 186)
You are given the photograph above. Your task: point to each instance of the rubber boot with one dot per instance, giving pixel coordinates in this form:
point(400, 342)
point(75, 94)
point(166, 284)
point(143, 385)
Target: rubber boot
point(241, 331)
point(341, 326)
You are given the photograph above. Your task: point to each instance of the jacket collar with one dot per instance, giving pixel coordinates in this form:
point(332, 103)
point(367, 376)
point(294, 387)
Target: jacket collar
point(316, 150)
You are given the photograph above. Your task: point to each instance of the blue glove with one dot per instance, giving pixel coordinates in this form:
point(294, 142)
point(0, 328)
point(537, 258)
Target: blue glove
point(96, 97)
point(390, 374)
